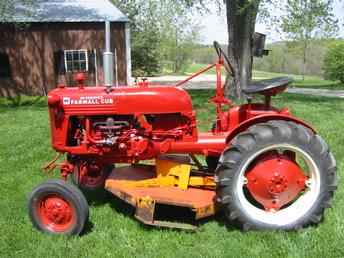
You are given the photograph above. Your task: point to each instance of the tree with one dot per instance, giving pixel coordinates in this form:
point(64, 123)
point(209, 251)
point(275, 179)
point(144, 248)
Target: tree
point(241, 21)
point(144, 25)
point(7, 9)
point(305, 20)
point(161, 30)
point(334, 62)
point(180, 34)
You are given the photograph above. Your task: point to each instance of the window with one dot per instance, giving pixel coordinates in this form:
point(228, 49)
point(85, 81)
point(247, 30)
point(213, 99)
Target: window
point(5, 67)
point(76, 60)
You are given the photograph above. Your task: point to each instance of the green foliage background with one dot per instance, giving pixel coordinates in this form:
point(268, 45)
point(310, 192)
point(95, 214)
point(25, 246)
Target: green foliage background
point(163, 34)
point(334, 62)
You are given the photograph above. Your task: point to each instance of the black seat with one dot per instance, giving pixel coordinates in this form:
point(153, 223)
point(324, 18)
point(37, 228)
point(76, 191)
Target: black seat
point(268, 87)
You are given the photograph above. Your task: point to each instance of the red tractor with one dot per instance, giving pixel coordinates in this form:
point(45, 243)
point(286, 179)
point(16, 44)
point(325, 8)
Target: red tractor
point(265, 168)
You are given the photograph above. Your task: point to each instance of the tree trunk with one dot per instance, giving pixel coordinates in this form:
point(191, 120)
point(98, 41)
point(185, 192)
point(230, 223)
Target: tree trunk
point(241, 20)
point(305, 45)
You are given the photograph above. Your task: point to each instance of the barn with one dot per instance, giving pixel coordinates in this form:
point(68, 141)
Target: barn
point(46, 44)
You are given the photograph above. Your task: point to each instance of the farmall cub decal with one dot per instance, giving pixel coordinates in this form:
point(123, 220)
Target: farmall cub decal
point(88, 100)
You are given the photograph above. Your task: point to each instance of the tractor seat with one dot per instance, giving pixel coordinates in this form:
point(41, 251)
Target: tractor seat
point(268, 87)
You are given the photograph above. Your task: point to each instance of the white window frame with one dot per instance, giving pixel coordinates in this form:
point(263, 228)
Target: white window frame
point(72, 52)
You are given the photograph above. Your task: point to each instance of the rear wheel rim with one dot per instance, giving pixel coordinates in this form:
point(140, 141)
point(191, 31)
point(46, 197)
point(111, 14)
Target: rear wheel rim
point(293, 211)
point(55, 213)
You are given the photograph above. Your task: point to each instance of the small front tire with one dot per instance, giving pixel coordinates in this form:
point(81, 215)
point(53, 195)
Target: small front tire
point(57, 207)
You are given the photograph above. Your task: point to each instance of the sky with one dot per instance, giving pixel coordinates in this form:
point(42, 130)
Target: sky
point(214, 26)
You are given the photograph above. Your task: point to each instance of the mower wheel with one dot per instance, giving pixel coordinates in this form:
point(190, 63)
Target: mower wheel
point(57, 207)
point(276, 175)
point(91, 181)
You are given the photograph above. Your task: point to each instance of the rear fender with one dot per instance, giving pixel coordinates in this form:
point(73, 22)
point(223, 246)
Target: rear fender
point(263, 119)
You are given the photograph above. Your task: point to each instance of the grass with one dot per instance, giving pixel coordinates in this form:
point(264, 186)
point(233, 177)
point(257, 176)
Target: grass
point(310, 81)
point(112, 232)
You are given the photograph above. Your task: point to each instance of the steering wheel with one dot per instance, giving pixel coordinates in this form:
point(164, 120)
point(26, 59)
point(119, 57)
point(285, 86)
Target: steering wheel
point(221, 53)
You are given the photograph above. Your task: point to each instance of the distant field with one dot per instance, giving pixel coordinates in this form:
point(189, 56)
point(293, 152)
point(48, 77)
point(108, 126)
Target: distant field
point(309, 82)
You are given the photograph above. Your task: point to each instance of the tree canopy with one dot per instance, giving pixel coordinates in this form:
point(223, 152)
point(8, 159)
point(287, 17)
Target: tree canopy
point(334, 62)
point(162, 33)
point(7, 7)
point(306, 20)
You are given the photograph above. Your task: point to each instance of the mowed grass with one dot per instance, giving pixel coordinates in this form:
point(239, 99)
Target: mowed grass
point(310, 81)
point(113, 232)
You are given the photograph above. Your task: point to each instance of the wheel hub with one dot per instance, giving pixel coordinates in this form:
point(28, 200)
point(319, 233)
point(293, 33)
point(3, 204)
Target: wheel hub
point(56, 213)
point(277, 184)
point(275, 180)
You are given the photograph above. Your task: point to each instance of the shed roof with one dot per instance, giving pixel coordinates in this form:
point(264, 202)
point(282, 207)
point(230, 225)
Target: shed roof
point(69, 11)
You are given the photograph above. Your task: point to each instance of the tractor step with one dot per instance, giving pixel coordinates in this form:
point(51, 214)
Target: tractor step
point(138, 186)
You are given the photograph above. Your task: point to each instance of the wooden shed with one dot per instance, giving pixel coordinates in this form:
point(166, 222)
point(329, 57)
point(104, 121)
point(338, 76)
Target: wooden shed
point(46, 44)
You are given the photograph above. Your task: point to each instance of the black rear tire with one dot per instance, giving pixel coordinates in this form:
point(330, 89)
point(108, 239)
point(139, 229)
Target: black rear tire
point(244, 146)
point(57, 207)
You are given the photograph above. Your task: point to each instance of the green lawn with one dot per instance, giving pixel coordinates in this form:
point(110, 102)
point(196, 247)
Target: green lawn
point(112, 232)
point(310, 81)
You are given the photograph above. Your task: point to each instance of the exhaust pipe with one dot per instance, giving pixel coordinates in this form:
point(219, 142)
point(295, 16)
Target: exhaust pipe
point(108, 57)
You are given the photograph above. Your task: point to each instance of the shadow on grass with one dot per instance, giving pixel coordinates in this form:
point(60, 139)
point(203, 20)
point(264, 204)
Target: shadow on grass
point(121, 206)
point(88, 228)
point(97, 197)
point(103, 197)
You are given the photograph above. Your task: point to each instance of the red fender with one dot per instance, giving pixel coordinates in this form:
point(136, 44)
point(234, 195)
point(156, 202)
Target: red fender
point(262, 119)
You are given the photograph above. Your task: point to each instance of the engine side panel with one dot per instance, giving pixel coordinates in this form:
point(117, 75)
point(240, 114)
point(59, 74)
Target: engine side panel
point(125, 124)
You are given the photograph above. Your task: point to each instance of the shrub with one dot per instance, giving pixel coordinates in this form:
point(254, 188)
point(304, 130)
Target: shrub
point(334, 62)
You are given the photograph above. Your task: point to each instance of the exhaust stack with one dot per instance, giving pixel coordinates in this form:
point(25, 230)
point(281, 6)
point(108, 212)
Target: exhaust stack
point(108, 57)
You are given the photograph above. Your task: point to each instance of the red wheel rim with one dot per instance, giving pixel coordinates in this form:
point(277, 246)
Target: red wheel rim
point(278, 199)
point(55, 213)
point(275, 180)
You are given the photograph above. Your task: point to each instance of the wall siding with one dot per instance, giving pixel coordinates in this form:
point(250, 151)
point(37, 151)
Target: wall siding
point(31, 53)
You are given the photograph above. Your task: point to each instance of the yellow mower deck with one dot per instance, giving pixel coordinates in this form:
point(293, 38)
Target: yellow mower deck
point(169, 182)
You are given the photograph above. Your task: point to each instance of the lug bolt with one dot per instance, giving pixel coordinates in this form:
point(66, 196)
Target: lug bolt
point(308, 183)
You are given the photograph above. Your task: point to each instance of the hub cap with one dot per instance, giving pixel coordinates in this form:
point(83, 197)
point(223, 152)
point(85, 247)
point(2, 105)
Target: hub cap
point(55, 213)
point(275, 181)
point(278, 184)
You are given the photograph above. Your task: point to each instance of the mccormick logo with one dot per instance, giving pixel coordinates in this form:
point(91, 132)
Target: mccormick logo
point(87, 100)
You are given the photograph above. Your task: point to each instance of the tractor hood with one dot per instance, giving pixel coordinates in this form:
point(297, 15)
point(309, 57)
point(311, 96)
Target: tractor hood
point(120, 100)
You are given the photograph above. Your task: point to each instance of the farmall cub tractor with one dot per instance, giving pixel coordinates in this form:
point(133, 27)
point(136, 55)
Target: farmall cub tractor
point(265, 168)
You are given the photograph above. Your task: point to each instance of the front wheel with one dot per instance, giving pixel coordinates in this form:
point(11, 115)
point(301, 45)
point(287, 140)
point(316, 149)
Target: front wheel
point(276, 175)
point(57, 207)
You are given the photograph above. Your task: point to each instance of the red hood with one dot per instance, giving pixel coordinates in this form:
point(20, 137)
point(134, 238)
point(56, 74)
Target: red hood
point(121, 100)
